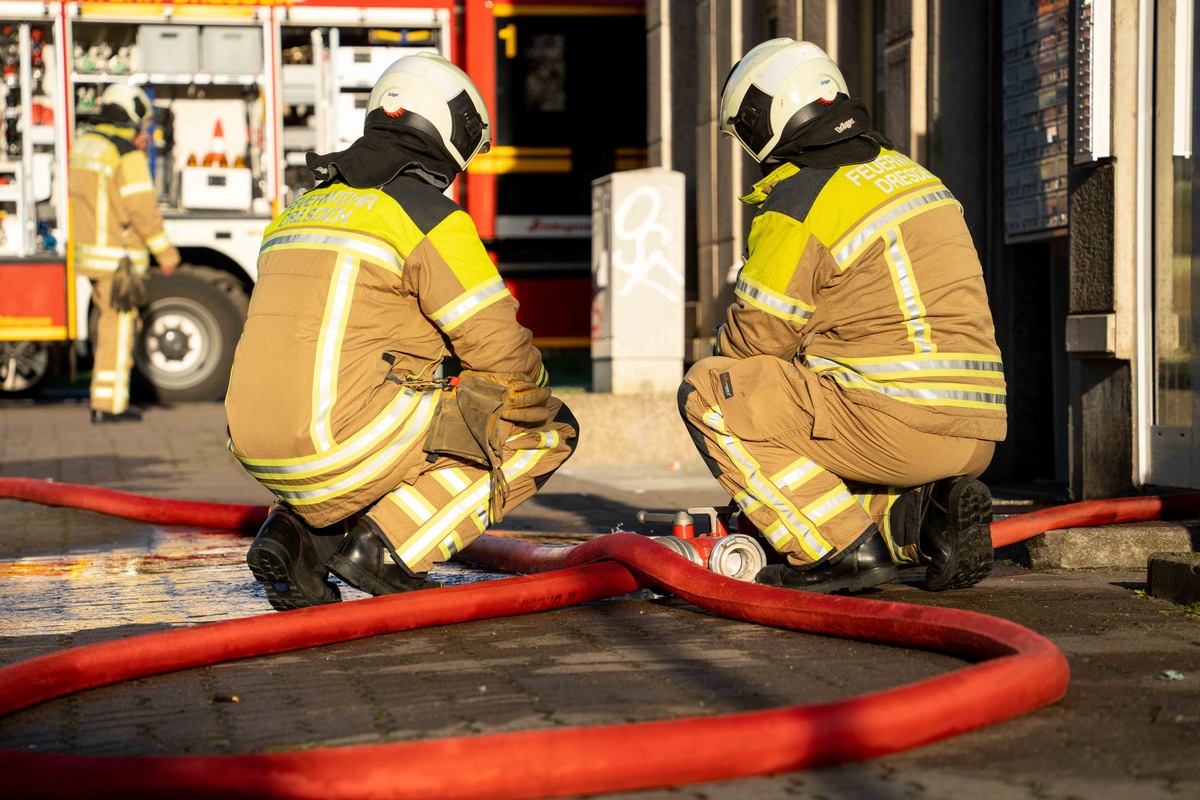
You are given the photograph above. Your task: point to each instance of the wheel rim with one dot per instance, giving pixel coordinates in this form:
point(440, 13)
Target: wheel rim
point(180, 344)
point(23, 365)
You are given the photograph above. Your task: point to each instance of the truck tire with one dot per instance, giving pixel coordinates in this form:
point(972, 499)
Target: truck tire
point(189, 330)
point(25, 367)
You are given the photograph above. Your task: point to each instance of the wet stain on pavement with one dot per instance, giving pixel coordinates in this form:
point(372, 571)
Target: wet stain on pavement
point(174, 577)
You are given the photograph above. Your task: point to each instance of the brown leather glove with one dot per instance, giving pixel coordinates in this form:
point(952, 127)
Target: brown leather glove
point(128, 287)
point(521, 401)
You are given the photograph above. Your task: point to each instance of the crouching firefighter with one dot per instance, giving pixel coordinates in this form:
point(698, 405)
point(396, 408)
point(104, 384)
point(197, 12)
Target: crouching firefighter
point(364, 285)
point(856, 391)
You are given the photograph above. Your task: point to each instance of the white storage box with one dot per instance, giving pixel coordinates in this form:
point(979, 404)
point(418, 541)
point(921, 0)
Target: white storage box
point(218, 189)
point(360, 67)
point(299, 85)
point(12, 238)
point(351, 115)
point(231, 51)
point(172, 49)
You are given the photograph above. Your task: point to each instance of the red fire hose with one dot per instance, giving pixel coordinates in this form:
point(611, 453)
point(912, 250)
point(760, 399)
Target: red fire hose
point(1015, 671)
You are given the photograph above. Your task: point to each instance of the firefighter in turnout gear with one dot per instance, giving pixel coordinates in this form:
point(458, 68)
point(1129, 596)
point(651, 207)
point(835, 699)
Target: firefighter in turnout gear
point(856, 391)
point(114, 219)
point(365, 284)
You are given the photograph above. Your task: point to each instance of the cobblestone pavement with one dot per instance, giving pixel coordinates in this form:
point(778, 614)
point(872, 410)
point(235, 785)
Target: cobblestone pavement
point(69, 578)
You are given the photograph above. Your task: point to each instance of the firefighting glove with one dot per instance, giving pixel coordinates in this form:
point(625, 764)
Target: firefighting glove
point(128, 287)
point(522, 401)
point(467, 424)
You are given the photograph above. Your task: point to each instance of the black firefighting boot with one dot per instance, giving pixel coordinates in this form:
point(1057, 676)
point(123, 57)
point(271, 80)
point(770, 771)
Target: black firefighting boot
point(956, 534)
point(859, 567)
point(366, 561)
point(128, 415)
point(285, 559)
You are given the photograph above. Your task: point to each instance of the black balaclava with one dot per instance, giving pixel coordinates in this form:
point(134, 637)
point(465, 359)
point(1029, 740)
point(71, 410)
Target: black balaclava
point(819, 144)
point(386, 150)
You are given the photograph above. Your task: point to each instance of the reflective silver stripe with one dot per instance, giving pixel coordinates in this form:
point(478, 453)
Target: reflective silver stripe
point(470, 502)
point(767, 493)
point(829, 505)
point(91, 165)
point(462, 309)
point(404, 496)
point(158, 242)
point(124, 349)
point(787, 309)
point(330, 348)
point(899, 390)
point(869, 232)
point(908, 293)
point(818, 364)
point(93, 264)
point(453, 478)
point(102, 208)
point(347, 451)
point(368, 469)
point(136, 188)
point(789, 480)
point(450, 545)
point(378, 253)
point(115, 253)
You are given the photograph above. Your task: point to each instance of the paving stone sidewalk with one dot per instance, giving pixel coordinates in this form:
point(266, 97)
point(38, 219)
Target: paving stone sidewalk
point(69, 578)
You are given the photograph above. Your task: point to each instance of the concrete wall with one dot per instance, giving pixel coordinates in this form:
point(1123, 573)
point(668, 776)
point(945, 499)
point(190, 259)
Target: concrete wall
point(642, 430)
point(692, 44)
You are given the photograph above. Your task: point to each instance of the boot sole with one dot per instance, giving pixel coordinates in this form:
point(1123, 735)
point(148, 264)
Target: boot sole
point(271, 566)
point(970, 528)
point(857, 582)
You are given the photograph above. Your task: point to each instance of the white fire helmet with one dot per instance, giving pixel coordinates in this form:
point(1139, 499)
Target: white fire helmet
point(130, 99)
point(777, 87)
point(426, 92)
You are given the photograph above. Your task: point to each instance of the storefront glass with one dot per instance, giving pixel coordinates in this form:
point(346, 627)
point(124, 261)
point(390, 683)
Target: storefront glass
point(1174, 318)
point(1174, 457)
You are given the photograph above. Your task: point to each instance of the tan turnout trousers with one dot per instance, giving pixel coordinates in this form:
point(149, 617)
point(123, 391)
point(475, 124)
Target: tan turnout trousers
point(811, 497)
point(440, 508)
point(112, 360)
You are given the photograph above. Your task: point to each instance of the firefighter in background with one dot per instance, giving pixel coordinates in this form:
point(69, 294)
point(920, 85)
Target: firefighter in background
point(364, 285)
point(114, 219)
point(856, 391)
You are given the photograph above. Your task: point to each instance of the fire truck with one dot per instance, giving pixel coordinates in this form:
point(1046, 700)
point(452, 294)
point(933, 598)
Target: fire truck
point(242, 91)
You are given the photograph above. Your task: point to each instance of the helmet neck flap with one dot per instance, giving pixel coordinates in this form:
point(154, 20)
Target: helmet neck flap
point(384, 152)
point(839, 136)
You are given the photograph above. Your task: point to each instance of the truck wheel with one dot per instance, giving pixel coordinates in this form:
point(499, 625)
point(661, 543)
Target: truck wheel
point(189, 331)
point(24, 367)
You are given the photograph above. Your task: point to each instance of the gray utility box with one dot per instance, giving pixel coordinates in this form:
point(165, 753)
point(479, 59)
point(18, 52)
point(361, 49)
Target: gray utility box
point(170, 49)
point(637, 281)
point(226, 50)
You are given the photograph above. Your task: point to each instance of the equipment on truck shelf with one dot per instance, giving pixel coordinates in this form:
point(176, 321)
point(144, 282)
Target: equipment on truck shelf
point(263, 84)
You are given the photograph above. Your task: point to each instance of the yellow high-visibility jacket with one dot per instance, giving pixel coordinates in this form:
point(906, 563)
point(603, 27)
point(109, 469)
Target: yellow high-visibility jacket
point(867, 275)
point(114, 208)
point(361, 293)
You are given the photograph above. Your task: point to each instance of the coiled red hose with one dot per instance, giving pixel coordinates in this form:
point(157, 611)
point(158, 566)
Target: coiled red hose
point(1016, 671)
